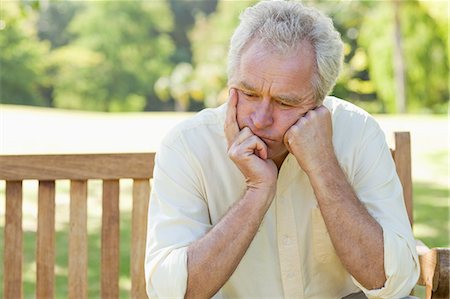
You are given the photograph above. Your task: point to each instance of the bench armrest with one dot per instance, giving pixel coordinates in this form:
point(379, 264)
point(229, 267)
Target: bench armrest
point(434, 270)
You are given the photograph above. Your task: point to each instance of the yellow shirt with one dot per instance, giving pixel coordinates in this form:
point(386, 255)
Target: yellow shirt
point(291, 256)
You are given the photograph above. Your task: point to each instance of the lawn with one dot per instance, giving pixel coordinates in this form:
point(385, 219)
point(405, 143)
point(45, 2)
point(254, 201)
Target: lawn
point(38, 130)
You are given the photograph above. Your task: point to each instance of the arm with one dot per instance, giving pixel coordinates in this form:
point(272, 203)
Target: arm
point(356, 236)
point(214, 257)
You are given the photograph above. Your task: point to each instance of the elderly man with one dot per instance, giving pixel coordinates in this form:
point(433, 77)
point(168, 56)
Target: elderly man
point(284, 192)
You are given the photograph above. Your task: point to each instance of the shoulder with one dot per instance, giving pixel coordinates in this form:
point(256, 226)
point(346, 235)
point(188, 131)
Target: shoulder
point(206, 124)
point(349, 117)
point(340, 107)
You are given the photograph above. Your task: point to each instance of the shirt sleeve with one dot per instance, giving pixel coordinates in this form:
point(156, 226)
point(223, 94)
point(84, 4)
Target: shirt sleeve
point(377, 185)
point(177, 216)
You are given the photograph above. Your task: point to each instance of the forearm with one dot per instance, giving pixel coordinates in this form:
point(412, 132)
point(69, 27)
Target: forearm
point(213, 258)
point(355, 234)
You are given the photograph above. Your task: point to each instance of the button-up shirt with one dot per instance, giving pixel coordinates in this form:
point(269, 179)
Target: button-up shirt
point(195, 184)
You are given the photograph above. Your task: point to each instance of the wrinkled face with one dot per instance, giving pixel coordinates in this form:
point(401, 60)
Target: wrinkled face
point(274, 91)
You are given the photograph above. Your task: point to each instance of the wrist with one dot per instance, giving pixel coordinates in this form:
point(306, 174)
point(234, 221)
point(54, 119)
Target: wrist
point(261, 193)
point(323, 165)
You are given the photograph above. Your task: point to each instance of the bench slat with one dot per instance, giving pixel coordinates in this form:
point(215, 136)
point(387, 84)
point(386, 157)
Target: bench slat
point(45, 247)
point(13, 241)
point(141, 194)
point(110, 240)
point(76, 167)
point(402, 158)
point(78, 240)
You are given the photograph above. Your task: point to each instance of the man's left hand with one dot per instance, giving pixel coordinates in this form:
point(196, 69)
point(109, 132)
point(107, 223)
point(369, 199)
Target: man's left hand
point(310, 140)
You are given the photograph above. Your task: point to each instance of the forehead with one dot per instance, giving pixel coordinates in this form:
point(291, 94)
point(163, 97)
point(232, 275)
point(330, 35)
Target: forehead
point(268, 70)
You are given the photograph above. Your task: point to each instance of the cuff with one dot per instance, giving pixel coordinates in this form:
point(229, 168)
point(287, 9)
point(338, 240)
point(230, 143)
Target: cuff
point(401, 268)
point(168, 278)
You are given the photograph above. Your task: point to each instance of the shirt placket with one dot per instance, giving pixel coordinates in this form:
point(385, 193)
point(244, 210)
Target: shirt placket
point(288, 249)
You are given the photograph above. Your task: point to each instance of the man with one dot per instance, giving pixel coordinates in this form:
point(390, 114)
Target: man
point(283, 192)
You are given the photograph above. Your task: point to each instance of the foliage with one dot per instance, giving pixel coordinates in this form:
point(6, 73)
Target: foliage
point(21, 66)
point(205, 80)
point(424, 53)
point(120, 49)
point(150, 55)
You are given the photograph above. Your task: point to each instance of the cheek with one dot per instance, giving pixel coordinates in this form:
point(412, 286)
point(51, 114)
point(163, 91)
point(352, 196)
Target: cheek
point(285, 120)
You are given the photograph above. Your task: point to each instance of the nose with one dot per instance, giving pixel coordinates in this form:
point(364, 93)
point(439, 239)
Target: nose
point(262, 116)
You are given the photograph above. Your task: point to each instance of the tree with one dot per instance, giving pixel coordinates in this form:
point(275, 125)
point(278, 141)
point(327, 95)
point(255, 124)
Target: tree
point(21, 63)
point(372, 48)
point(120, 50)
point(184, 13)
point(205, 78)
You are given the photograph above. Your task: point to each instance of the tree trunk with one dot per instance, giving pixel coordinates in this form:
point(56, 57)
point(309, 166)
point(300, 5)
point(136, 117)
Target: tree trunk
point(399, 65)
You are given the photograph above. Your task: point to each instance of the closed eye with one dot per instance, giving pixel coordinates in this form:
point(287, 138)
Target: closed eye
point(284, 104)
point(249, 94)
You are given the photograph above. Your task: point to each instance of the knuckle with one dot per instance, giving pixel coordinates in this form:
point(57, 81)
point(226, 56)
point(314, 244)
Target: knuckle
point(232, 153)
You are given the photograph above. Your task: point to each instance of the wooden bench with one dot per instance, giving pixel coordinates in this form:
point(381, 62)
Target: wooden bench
point(110, 168)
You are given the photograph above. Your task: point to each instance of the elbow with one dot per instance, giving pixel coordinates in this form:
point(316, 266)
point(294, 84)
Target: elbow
point(376, 280)
point(166, 274)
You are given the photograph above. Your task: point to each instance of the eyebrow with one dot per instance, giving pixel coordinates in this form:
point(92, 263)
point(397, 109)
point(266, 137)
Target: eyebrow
point(247, 86)
point(291, 100)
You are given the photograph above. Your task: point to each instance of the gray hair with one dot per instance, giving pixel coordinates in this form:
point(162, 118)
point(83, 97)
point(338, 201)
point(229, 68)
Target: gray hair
point(284, 25)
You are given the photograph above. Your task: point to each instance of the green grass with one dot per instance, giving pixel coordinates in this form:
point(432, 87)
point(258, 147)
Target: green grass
point(431, 214)
point(430, 150)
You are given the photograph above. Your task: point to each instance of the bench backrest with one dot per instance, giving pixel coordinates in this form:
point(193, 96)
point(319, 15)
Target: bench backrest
point(109, 168)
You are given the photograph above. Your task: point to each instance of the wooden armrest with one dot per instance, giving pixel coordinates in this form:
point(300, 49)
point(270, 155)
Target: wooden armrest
point(434, 270)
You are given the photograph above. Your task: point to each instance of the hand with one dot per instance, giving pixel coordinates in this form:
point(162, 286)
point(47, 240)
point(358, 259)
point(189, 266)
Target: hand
point(248, 151)
point(310, 140)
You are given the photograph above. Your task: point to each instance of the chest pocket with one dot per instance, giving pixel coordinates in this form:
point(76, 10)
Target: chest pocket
point(323, 249)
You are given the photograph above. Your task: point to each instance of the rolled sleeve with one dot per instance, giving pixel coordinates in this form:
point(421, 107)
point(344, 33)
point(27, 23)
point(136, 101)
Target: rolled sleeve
point(401, 268)
point(168, 279)
point(379, 189)
point(177, 216)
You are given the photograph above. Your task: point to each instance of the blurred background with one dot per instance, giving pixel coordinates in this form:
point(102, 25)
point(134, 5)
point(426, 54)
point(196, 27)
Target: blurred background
point(115, 76)
point(171, 55)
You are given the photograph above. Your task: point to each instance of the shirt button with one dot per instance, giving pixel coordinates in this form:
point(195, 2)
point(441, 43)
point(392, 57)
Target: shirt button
point(290, 275)
point(287, 241)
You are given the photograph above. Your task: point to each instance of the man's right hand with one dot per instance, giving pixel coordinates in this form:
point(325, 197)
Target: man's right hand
point(248, 151)
point(213, 258)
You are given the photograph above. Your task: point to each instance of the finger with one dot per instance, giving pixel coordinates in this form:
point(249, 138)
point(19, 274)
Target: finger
point(286, 142)
point(290, 135)
point(322, 109)
point(319, 110)
point(242, 135)
point(261, 150)
point(254, 145)
point(231, 126)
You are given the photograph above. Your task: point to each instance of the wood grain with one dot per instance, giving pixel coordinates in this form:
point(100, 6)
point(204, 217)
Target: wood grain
point(427, 261)
point(76, 167)
point(141, 194)
point(110, 240)
point(45, 247)
point(13, 241)
point(441, 277)
point(402, 158)
point(78, 257)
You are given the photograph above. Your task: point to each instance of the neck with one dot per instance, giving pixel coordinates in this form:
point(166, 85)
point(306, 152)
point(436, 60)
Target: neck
point(280, 159)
